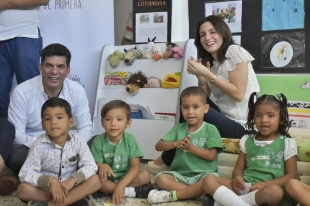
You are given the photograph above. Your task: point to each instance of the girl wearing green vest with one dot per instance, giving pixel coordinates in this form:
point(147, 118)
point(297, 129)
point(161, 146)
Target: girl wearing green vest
point(267, 160)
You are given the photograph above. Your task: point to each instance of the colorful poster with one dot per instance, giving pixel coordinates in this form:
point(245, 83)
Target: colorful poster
point(230, 12)
point(282, 15)
point(296, 88)
point(283, 50)
point(84, 26)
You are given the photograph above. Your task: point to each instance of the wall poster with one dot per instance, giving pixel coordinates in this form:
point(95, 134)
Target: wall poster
point(152, 19)
point(230, 12)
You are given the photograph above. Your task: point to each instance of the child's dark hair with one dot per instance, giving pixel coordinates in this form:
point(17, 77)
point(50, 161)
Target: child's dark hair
point(57, 102)
point(195, 91)
point(56, 50)
point(115, 104)
point(280, 100)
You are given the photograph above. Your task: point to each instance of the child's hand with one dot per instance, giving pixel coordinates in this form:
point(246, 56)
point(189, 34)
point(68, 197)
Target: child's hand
point(57, 192)
point(258, 186)
point(238, 183)
point(105, 171)
point(118, 195)
point(67, 185)
point(185, 143)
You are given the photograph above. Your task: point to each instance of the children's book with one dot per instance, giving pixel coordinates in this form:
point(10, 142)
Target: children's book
point(116, 78)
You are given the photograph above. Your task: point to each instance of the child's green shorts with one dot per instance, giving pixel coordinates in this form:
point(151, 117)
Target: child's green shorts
point(185, 179)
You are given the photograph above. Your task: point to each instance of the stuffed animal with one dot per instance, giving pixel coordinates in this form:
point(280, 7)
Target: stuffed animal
point(115, 58)
point(166, 54)
point(177, 52)
point(171, 80)
point(132, 54)
point(154, 82)
point(157, 52)
point(135, 82)
point(148, 49)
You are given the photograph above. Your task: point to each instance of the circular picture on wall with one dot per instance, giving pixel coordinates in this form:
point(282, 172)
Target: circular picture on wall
point(281, 54)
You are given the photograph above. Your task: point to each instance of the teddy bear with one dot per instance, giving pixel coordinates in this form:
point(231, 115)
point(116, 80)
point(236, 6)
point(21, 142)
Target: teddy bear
point(135, 82)
point(154, 82)
point(166, 54)
point(115, 58)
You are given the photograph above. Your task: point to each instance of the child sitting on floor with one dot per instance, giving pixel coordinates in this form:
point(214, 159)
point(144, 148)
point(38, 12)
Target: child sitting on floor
point(117, 155)
point(59, 169)
point(198, 144)
point(267, 160)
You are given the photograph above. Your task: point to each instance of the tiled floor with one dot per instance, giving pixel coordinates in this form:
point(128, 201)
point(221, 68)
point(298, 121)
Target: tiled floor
point(12, 200)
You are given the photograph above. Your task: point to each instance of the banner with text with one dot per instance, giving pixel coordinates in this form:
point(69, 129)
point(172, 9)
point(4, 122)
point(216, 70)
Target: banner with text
point(84, 26)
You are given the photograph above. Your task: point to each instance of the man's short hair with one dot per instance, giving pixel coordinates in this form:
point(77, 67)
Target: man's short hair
point(56, 50)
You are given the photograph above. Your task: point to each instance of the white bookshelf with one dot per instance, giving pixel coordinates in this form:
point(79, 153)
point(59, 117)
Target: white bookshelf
point(146, 131)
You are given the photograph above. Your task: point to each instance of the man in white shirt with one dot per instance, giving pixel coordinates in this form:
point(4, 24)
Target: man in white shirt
point(27, 99)
point(20, 45)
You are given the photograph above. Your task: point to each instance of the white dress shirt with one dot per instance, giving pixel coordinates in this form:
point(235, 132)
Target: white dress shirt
point(48, 159)
point(25, 109)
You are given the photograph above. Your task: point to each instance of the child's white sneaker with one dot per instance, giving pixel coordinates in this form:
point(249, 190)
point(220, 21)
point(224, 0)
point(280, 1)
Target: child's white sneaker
point(158, 196)
point(37, 203)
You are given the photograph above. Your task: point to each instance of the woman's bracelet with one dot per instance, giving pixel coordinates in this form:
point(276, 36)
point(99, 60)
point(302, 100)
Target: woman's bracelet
point(213, 78)
point(202, 84)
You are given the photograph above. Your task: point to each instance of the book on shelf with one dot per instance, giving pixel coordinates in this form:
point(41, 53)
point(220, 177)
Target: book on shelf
point(116, 78)
point(140, 112)
point(164, 116)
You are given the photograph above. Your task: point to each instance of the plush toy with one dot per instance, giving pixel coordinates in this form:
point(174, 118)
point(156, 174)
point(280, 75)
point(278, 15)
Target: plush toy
point(166, 54)
point(171, 80)
point(157, 52)
point(177, 52)
point(148, 49)
point(135, 82)
point(154, 82)
point(115, 58)
point(132, 54)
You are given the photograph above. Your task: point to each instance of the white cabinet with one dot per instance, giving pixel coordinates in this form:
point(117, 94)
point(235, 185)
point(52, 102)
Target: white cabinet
point(147, 132)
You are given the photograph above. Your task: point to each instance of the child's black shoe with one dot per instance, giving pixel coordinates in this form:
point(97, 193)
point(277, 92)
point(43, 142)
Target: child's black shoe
point(207, 200)
point(143, 191)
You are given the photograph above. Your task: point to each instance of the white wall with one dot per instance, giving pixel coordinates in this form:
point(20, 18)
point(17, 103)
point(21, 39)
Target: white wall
point(179, 26)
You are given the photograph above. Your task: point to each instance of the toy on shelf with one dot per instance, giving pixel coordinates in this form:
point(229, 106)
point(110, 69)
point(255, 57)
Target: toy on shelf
point(157, 52)
point(135, 82)
point(154, 82)
point(166, 54)
point(171, 80)
point(176, 52)
point(148, 49)
point(115, 58)
point(132, 54)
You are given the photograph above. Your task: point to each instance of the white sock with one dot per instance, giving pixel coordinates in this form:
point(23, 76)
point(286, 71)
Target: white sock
point(249, 198)
point(226, 197)
point(130, 192)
